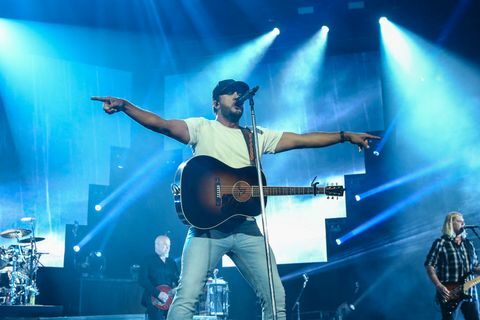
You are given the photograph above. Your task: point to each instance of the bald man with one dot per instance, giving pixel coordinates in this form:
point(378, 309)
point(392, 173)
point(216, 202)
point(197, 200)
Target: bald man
point(159, 277)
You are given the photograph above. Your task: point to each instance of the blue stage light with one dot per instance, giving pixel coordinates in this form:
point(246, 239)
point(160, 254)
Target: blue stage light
point(98, 207)
point(276, 31)
point(382, 20)
point(76, 248)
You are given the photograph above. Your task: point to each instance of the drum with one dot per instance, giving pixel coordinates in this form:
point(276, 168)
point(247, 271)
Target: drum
point(214, 301)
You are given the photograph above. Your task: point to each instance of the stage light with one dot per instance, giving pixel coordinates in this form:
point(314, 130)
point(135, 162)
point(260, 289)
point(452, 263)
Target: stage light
point(276, 31)
point(376, 153)
point(76, 248)
point(115, 210)
point(338, 241)
point(394, 209)
point(325, 29)
point(120, 166)
point(440, 166)
point(382, 20)
point(300, 74)
point(94, 265)
point(344, 310)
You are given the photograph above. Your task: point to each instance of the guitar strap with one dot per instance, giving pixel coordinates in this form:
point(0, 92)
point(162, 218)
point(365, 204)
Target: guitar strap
point(247, 134)
point(469, 255)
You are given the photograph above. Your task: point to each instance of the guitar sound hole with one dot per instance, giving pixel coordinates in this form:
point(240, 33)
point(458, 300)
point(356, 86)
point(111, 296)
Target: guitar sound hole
point(242, 191)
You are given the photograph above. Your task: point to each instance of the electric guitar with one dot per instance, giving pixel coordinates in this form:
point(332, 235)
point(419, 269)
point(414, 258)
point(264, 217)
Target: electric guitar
point(458, 292)
point(208, 192)
point(163, 304)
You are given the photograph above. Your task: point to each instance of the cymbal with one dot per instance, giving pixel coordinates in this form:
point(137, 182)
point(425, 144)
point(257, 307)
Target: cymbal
point(15, 233)
point(27, 240)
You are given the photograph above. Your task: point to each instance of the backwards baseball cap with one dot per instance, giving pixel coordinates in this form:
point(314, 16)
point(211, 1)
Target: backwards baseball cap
point(229, 86)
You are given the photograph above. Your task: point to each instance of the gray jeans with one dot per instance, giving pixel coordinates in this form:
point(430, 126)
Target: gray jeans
point(201, 255)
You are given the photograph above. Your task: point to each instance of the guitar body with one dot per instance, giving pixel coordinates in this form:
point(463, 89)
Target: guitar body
point(163, 305)
point(457, 295)
point(212, 192)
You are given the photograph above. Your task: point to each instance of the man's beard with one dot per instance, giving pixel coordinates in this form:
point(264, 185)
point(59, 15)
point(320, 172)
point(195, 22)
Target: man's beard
point(231, 116)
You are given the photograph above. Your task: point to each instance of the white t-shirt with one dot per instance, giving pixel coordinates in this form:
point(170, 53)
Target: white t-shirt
point(212, 138)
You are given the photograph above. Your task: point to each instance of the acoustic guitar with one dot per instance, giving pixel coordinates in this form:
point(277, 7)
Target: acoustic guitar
point(208, 192)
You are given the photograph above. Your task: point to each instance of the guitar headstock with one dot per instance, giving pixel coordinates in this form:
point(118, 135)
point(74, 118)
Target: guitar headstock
point(335, 191)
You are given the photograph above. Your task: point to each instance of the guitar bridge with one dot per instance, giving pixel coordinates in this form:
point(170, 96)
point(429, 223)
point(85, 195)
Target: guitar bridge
point(218, 193)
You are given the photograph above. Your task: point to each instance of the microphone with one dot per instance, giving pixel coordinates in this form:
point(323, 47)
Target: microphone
point(215, 272)
point(249, 94)
point(472, 226)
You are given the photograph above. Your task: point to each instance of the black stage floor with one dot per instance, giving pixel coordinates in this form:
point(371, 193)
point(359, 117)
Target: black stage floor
point(44, 312)
point(30, 311)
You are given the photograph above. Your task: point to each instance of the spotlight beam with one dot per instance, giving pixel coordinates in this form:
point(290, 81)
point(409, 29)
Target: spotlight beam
point(405, 179)
point(386, 214)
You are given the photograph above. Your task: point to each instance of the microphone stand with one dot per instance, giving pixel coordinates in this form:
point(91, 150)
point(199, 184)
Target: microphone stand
point(297, 302)
point(30, 293)
point(262, 205)
point(474, 231)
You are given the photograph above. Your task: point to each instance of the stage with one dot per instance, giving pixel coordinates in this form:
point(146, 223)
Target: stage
point(103, 102)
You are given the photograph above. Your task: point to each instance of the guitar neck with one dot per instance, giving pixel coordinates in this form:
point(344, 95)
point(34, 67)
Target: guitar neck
point(467, 285)
point(286, 191)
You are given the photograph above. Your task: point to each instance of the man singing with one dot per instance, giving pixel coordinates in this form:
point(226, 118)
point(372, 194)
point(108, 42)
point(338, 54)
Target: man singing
point(450, 261)
point(241, 238)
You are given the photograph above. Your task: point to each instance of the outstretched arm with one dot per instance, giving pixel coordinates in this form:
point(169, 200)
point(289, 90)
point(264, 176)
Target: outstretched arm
point(176, 129)
point(291, 140)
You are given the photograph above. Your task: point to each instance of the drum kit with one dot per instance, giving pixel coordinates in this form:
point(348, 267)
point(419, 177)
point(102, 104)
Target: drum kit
point(19, 263)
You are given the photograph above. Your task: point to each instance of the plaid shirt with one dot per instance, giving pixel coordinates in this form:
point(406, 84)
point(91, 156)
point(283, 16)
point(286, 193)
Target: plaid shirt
point(452, 262)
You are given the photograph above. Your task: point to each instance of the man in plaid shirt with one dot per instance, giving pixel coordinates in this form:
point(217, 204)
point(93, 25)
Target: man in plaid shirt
point(452, 259)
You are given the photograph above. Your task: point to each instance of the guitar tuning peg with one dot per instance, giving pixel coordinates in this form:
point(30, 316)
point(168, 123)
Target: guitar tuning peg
point(328, 197)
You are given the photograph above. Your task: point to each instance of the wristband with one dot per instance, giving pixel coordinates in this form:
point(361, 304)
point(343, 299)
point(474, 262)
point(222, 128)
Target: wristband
point(342, 137)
